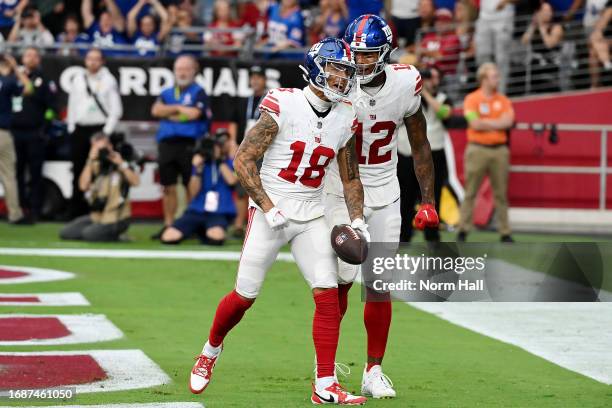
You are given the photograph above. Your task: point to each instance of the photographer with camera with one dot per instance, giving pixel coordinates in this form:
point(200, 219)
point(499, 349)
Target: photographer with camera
point(211, 184)
point(106, 180)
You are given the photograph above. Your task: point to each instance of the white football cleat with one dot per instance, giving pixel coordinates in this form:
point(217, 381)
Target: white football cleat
point(202, 372)
point(376, 384)
point(335, 394)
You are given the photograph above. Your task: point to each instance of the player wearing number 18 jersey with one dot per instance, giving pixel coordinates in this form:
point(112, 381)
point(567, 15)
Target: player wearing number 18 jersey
point(387, 97)
point(300, 132)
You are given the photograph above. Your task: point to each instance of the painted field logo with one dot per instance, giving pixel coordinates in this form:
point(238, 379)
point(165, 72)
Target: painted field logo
point(87, 371)
point(41, 330)
point(10, 274)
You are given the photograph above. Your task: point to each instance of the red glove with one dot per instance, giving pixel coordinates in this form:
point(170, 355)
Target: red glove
point(427, 217)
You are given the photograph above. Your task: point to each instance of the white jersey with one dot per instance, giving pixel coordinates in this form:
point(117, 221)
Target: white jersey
point(379, 118)
point(294, 165)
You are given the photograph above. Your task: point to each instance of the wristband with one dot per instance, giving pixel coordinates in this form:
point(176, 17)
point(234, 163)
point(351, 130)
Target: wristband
point(195, 172)
point(183, 117)
point(471, 115)
point(443, 112)
point(49, 114)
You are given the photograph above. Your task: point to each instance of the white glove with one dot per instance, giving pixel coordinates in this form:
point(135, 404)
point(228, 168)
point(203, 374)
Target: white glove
point(276, 219)
point(359, 224)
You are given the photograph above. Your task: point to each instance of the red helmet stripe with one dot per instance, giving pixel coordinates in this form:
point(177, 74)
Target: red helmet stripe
point(361, 26)
point(347, 48)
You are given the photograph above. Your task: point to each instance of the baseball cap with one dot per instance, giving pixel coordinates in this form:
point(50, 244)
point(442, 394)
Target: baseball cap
point(256, 70)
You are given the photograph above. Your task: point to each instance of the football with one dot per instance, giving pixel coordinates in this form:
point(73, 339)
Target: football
point(350, 245)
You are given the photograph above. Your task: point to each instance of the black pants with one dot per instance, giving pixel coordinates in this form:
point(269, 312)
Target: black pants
point(83, 228)
point(410, 192)
point(80, 143)
point(30, 150)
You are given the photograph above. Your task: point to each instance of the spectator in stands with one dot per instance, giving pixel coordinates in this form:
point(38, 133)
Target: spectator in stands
point(144, 34)
point(10, 88)
point(182, 21)
point(185, 117)
point(222, 19)
point(29, 29)
point(107, 31)
point(405, 16)
point(465, 16)
point(442, 47)
point(245, 116)
point(8, 11)
point(600, 42)
point(593, 13)
point(30, 116)
point(490, 115)
point(106, 178)
point(493, 37)
point(567, 9)
point(331, 21)
point(70, 35)
point(255, 15)
point(94, 105)
point(437, 108)
point(212, 207)
point(544, 36)
point(427, 15)
point(285, 29)
point(53, 14)
point(358, 8)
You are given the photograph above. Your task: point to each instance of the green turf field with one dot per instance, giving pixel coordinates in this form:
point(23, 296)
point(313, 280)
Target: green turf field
point(165, 307)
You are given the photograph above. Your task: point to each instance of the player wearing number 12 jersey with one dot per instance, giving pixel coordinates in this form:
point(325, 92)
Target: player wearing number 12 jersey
point(386, 98)
point(300, 132)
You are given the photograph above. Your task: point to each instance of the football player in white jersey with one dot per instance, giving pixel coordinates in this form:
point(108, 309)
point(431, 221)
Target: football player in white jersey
point(300, 132)
point(387, 97)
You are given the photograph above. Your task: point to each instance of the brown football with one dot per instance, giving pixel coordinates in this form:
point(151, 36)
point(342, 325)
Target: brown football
point(350, 245)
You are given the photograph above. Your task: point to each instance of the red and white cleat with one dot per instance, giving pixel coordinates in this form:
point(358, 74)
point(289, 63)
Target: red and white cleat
point(202, 372)
point(335, 394)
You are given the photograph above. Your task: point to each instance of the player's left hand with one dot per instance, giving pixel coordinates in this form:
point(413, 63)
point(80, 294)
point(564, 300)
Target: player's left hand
point(359, 224)
point(427, 217)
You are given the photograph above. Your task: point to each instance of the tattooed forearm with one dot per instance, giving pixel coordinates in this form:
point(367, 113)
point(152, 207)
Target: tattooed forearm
point(416, 125)
point(252, 149)
point(349, 174)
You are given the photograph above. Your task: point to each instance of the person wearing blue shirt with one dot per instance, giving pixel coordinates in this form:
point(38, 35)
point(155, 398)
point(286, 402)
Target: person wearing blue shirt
point(185, 115)
point(144, 34)
point(10, 87)
point(212, 206)
point(8, 10)
point(107, 31)
point(285, 29)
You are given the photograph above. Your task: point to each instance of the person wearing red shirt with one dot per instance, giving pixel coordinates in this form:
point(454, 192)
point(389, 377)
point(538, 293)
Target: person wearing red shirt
point(442, 47)
point(222, 19)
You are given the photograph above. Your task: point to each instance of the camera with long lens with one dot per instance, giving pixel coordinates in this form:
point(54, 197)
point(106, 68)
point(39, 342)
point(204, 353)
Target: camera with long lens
point(119, 144)
point(205, 147)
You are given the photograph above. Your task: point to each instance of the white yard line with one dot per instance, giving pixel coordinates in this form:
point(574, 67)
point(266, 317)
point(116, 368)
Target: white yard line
point(132, 253)
point(83, 328)
point(151, 405)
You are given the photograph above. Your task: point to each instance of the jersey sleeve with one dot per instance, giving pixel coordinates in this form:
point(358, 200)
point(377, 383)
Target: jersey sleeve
point(415, 86)
point(271, 104)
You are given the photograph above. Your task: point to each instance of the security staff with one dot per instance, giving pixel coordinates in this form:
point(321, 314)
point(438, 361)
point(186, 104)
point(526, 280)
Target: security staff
point(30, 114)
point(185, 116)
point(10, 87)
point(245, 116)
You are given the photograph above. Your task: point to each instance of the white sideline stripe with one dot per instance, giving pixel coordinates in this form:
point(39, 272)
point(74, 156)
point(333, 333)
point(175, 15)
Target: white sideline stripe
point(34, 274)
point(84, 328)
point(132, 253)
point(125, 369)
point(575, 336)
point(151, 405)
point(47, 299)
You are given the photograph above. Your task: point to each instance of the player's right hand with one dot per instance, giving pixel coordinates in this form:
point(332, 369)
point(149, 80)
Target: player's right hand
point(359, 224)
point(276, 219)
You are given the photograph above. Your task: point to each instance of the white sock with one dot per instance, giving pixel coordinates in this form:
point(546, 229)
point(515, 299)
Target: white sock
point(323, 382)
point(210, 351)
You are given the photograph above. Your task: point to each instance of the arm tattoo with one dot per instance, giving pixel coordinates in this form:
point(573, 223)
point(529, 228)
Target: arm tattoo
point(421, 152)
point(252, 148)
point(349, 174)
